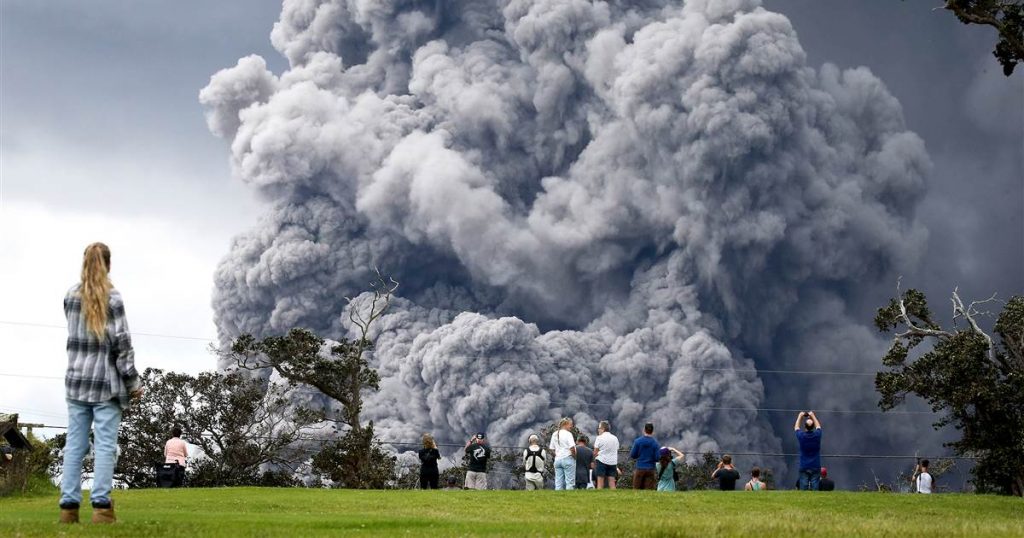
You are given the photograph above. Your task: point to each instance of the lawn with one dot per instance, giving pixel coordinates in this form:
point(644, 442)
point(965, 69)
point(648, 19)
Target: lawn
point(304, 512)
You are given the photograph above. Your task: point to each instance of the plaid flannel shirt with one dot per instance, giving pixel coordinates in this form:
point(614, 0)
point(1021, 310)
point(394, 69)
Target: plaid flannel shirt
point(99, 369)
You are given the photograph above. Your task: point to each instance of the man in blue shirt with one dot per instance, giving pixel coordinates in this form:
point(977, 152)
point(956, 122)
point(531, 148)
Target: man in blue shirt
point(808, 434)
point(645, 452)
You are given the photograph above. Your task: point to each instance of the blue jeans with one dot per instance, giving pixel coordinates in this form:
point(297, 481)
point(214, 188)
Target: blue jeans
point(565, 473)
point(809, 479)
point(104, 418)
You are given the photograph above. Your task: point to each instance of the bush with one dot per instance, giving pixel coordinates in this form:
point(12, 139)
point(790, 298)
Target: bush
point(28, 473)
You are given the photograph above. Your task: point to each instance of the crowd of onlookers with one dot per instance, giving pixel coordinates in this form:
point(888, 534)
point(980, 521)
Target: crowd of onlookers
point(577, 465)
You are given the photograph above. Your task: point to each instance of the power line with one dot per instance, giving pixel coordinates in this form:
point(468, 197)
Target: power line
point(323, 441)
point(520, 360)
point(755, 371)
point(28, 376)
point(699, 408)
point(19, 410)
point(133, 333)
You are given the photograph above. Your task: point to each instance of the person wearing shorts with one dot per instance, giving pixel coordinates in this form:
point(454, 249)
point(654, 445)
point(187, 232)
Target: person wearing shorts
point(606, 457)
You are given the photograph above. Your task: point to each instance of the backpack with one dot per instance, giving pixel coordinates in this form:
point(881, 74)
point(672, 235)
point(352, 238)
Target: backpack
point(531, 457)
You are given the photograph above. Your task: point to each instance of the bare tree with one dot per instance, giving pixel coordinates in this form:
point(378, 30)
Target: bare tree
point(976, 381)
point(341, 372)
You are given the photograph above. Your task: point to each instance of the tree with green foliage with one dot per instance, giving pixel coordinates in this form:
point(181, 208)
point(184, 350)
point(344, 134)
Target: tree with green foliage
point(976, 381)
point(697, 475)
point(1006, 16)
point(341, 372)
point(248, 431)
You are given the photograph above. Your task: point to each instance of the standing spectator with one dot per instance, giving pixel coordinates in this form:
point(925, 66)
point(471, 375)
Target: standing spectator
point(606, 456)
point(809, 437)
point(726, 474)
point(176, 451)
point(645, 452)
point(429, 456)
point(826, 483)
point(584, 464)
point(100, 381)
point(478, 453)
point(755, 483)
point(564, 447)
point(533, 462)
point(922, 479)
point(666, 468)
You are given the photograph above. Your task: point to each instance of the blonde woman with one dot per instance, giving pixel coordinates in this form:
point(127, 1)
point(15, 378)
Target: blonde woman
point(563, 444)
point(99, 382)
point(429, 455)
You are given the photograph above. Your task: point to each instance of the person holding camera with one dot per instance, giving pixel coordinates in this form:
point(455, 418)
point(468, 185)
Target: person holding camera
point(808, 434)
point(477, 452)
point(922, 479)
point(668, 459)
point(429, 456)
point(726, 474)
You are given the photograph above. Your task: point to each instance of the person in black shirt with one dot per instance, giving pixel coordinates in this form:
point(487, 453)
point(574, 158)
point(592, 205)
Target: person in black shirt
point(826, 483)
point(477, 454)
point(429, 455)
point(584, 461)
point(726, 474)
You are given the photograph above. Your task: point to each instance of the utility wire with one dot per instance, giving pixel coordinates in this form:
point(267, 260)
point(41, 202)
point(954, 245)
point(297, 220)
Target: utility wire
point(28, 376)
point(508, 359)
point(323, 441)
point(133, 333)
point(699, 408)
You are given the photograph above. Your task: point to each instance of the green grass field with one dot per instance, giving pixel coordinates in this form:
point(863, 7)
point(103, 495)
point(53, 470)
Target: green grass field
point(303, 512)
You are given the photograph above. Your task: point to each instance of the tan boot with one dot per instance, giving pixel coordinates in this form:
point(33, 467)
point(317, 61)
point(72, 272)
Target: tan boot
point(69, 515)
point(104, 515)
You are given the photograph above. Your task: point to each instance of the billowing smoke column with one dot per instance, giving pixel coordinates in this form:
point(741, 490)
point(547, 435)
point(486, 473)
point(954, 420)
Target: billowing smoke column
point(595, 209)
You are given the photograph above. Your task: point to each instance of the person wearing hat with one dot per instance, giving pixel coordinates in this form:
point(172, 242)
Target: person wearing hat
point(477, 454)
point(826, 483)
point(665, 469)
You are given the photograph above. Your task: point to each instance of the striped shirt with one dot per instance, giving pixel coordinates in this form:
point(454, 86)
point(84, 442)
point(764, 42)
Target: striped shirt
point(99, 369)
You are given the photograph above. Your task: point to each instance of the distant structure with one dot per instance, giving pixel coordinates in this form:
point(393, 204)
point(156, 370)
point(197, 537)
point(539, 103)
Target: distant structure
point(14, 452)
point(10, 432)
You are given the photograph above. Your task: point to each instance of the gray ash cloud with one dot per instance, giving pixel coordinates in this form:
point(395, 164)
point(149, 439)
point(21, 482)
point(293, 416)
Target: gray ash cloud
point(595, 209)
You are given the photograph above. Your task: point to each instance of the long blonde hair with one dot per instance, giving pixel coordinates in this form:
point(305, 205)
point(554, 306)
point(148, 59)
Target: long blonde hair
point(96, 286)
point(428, 441)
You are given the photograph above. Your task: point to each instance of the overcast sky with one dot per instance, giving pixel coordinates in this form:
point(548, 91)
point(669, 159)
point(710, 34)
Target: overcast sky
point(102, 138)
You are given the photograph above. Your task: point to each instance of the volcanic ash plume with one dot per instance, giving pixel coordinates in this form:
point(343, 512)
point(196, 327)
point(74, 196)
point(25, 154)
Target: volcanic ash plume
point(595, 209)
